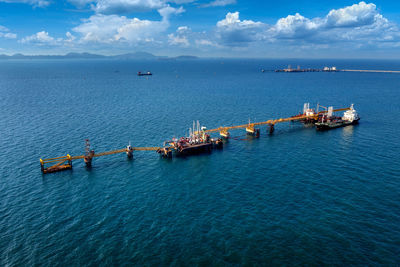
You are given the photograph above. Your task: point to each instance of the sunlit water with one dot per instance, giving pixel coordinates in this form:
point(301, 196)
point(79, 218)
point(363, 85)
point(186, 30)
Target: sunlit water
point(296, 197)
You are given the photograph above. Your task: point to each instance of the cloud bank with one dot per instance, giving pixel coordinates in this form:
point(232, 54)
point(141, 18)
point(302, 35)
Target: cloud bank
point(358, 23)
point(353, 27)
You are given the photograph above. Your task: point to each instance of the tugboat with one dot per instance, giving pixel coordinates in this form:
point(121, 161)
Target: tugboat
point(328, 121)
point(144, 73)
point(197, 142)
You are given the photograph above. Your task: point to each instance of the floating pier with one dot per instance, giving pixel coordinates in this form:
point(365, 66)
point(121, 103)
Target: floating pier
point(251, 128)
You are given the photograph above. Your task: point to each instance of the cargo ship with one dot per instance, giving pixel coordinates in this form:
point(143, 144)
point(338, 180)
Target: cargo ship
point(197, 142)
point(328, 121)
point(144, 73)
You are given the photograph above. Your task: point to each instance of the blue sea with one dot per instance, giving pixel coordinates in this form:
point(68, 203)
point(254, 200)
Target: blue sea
point(297, 197)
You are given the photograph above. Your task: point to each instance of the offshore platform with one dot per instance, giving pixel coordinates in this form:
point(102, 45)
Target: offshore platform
point(199, 139)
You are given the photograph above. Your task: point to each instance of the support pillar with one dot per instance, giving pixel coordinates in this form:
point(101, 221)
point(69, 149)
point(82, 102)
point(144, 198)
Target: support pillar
point(88, 154)
point(225, 134)
point(271, 128)
point(69, 160)
point(129, 151)
point(41, 165)
point(88, 159)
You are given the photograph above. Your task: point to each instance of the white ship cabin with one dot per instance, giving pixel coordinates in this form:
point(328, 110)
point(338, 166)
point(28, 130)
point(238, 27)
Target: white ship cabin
point(351, 114)
point(307, 110)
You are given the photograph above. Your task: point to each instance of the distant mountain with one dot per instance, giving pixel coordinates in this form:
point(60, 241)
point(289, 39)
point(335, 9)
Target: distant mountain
point(136, 55)
point(186, 57)
point(128, 56)
point(83, 55)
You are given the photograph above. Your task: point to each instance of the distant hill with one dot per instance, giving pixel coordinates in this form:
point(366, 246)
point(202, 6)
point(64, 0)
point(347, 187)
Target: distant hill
point(137, 55)
point(186, 57)
point(83, 55)
point(128, 56)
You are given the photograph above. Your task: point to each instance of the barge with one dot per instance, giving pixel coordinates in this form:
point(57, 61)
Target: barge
point(197, 142)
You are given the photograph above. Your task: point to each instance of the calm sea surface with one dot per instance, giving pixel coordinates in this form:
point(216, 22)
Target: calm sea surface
point(298, 197)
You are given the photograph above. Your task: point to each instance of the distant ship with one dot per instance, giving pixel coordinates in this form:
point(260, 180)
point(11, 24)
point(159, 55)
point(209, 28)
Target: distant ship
point(328, 121)
point(144, 73)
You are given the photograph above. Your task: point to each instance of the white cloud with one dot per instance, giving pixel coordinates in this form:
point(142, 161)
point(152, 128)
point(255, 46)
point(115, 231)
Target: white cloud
point(353, 16)
point(353, 23)
point(109, 7)
point(205, 43)
point(178, 40)
point(181, 37)
point(40, 38)
point(70, 38)
point(216, 3)
point(8, 35)
point(294, 27)
point(235, 32)
point(35, 3)
point(5, 33)
point(113, 28)
point(360, 24)
point(167, 11)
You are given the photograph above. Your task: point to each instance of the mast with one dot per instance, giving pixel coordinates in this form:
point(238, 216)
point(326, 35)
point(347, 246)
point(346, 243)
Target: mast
point(330, 111)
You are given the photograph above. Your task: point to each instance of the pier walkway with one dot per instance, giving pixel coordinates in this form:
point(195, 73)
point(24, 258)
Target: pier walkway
point(374, 71)
point(65, 162)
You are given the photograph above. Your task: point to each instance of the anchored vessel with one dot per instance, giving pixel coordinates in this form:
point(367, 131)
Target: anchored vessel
point(329, 121)
point(144, 73)
point(197, 142)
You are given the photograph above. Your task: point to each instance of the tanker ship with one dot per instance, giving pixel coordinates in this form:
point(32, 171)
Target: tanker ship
point(329, 121)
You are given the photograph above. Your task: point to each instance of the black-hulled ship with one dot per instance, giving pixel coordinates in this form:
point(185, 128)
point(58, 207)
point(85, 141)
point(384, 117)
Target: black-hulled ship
point(197, 142)
point(328, 121)
point(144, 73)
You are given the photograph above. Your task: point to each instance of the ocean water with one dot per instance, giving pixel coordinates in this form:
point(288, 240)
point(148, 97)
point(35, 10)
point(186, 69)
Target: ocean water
point(298, 197)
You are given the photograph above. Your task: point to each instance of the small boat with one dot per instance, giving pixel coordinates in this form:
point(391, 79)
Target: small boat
point(144, 73)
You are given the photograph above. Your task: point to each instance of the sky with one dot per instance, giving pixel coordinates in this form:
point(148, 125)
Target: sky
point(205, 28)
